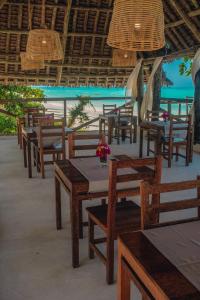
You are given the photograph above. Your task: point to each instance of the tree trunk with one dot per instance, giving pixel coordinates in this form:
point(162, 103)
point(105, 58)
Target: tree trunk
point(197, 109)
point(157, 89)
point(140, 85)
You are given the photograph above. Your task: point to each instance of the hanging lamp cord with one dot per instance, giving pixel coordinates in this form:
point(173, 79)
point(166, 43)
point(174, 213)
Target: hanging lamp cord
point(29, 15)
point(43, 14)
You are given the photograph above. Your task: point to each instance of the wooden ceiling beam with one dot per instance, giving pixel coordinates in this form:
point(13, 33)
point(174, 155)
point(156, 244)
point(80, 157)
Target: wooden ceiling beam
point(73, 66)
point(74, 7)
point(50, 77)
point(186, 19)
point(74, 34)
point(193, 13)
point(64, 39)
point(2, 2)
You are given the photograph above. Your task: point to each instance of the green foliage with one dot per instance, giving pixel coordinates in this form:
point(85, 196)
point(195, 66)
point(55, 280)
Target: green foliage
point(13, 93)
point(185, 67)
point(77, 113)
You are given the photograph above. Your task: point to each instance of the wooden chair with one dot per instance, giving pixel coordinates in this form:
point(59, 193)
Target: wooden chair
point(29, 112)
point(120, 217)
point(151, 211)
point(152, 115)
point(73, 147)
point(108, 108)
point(125, 123)
point(51, 141)
point(179, 135)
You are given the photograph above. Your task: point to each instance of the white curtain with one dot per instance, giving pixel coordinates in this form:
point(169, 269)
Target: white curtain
point(147, 102)
point(131, 87)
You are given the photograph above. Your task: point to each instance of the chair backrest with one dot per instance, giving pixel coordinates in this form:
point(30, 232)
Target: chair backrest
point(86, 141)
point(107, 108)
point(154, 115)
point(149, 169)
point(52, 133)
point(126, 114)
point(180, 126)
point(30, 111)
point(41, 118)
point(151, 210)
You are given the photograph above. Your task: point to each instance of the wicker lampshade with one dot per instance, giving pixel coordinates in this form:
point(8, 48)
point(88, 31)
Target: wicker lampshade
point(44, 43)
point(123, 58)
point(137, 25)
point(30, 63)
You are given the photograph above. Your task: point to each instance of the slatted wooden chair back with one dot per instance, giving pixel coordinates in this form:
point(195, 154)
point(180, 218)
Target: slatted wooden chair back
point(149, 169)
point(125, 115)
point(84, 143)
point(180, 124)
point(52, 132)
point(46, 120)
point(154, 115)
point(109, 108)
point(36, 118)
point(30, 112)
point(150, 209)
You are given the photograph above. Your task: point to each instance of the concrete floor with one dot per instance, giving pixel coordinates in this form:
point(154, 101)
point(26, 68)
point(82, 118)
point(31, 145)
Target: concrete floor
point(35, 259)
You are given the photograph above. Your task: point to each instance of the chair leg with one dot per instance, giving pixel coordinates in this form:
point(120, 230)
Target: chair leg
point(80, 220)
point(34, 156)
point(148, 144)
point(91, 238)
point(118, 136)
point(103, 201)
point(177, 152)
point(187, 160)
point(110, 261)
point(42, 166)
point(131, 136)
point(170, 150)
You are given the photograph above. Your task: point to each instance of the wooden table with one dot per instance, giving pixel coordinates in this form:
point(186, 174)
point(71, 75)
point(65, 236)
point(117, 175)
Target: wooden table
point(77, 187)
point(156, 278)
point(28, 136)
point(151, 125)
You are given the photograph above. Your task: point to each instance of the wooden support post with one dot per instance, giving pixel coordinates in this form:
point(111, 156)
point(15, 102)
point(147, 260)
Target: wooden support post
point(157, 89)
point(65, 112)
point(197, 109)
point(140, 85)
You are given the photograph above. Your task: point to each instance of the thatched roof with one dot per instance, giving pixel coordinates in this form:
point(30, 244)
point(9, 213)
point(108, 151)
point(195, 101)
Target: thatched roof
point(83, 26)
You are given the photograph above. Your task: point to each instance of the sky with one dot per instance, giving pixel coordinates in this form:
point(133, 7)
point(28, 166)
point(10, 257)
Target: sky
point(172, 71)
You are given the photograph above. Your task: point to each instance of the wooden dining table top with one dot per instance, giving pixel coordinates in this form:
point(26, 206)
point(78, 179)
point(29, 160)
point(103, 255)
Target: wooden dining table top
point(73, 178)
point(157, 273)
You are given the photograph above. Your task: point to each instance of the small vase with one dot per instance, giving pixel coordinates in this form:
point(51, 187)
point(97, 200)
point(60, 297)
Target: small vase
point(103, 160)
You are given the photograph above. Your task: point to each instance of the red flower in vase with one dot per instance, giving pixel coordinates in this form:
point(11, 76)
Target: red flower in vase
point(103, 150)
point(165, 116)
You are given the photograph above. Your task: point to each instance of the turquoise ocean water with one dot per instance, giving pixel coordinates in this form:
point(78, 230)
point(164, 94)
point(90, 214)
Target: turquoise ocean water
point(57, 92)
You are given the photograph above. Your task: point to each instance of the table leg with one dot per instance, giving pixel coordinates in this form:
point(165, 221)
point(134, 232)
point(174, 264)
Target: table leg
point(24, 151)
point(123, 281)
point(75, 228)
point(110, 129)
point(29, 158)
point(158, 144)
point(141, 142)
point(58, 204)
point(100, 126)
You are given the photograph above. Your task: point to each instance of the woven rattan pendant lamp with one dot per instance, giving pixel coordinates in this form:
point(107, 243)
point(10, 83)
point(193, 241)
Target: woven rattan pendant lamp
point(30, 63)
point(123, 58)
point(44, 43)
point(137, 25)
